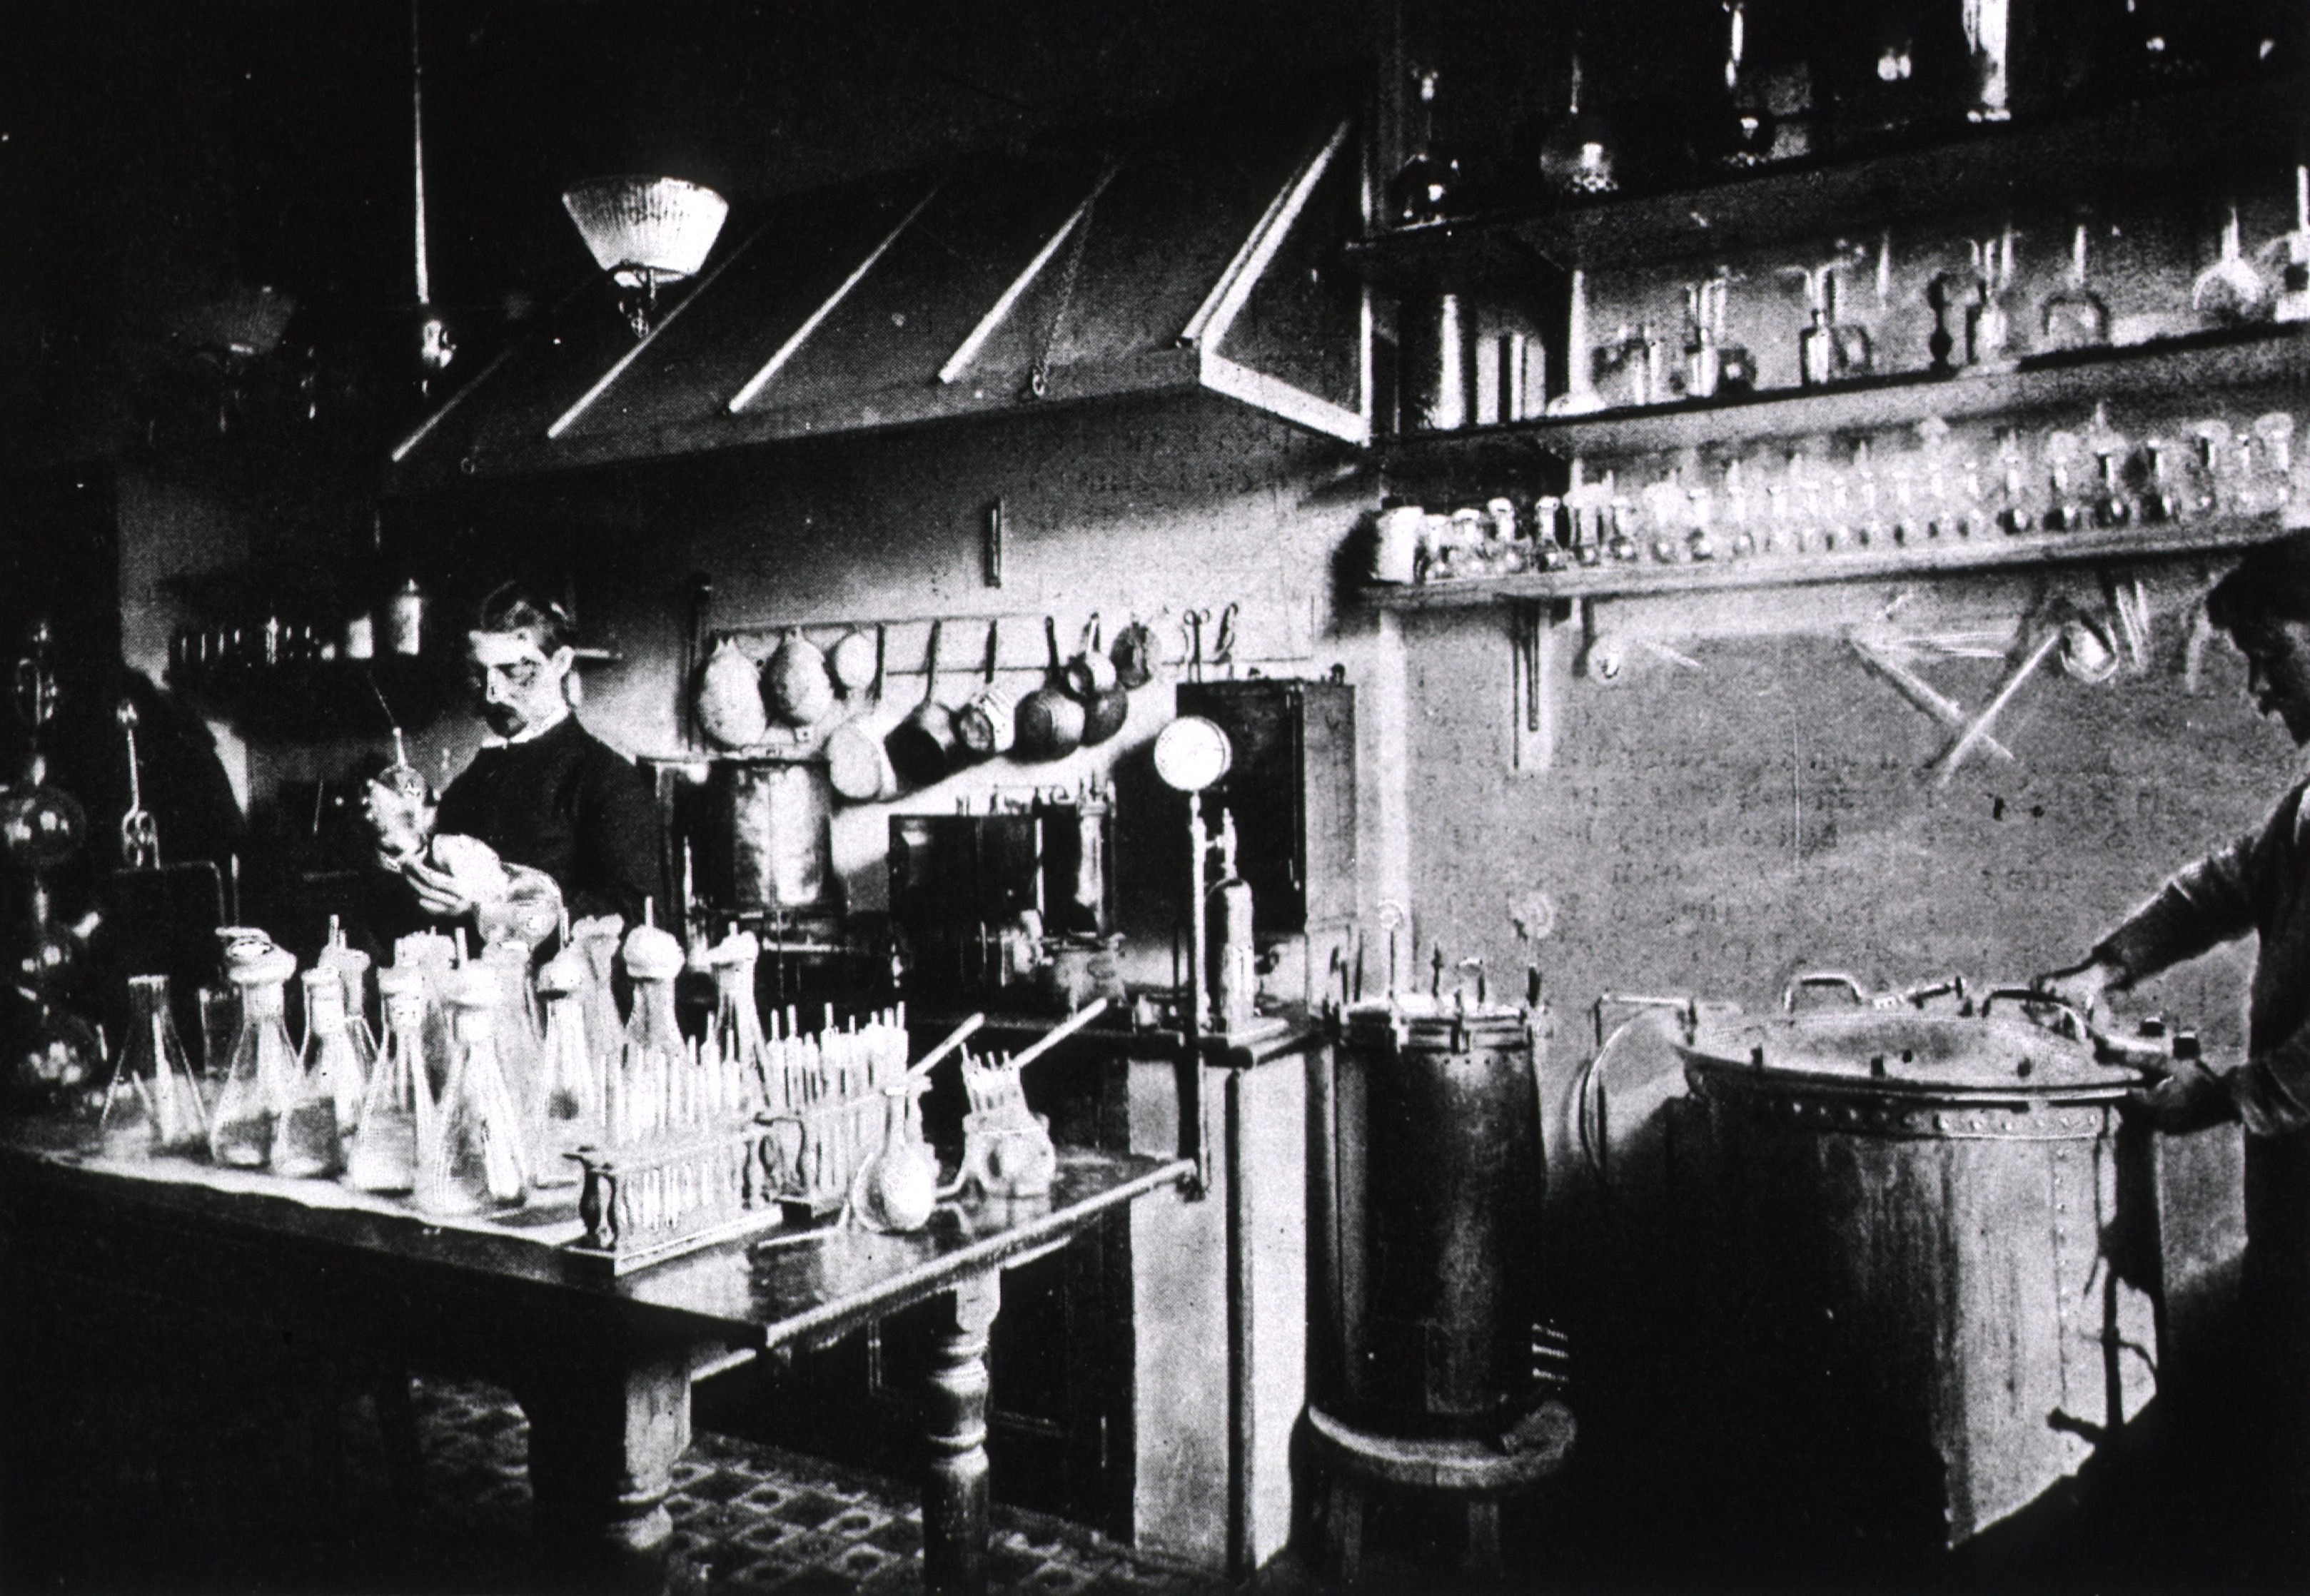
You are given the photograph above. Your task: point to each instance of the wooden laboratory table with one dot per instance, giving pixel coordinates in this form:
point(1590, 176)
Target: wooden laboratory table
point(601, 1367)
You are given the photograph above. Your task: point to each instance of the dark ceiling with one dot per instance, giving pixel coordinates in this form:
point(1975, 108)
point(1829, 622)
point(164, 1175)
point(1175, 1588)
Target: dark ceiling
point(155, 153)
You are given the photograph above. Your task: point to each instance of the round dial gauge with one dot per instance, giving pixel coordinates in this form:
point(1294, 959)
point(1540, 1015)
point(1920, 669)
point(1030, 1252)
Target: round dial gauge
point(1191, 753)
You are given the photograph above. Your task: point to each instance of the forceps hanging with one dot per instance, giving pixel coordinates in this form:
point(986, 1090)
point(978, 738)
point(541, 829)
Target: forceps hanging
point(140, 838)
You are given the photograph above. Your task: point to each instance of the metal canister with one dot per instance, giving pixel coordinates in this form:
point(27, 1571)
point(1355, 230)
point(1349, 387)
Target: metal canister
point(769, 841)
point(1439, 1186)
point(1923, 1283)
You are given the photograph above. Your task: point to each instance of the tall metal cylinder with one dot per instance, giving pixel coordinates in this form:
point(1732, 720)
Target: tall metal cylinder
point(1440, 1158)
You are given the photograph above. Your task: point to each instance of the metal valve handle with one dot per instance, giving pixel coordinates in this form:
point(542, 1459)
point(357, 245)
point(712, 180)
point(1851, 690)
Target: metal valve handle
point(2032, 998)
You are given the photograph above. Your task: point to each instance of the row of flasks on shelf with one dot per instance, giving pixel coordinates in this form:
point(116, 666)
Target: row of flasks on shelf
point(1950, 308)
point(1822, 496)
point(1658, 97)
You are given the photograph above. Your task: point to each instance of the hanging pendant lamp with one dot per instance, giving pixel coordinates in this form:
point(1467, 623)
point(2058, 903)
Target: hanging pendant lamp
point(645, 231)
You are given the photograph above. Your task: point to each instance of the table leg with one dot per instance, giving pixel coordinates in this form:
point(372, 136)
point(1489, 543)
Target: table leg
point(954, 1492)
point(603, 1444)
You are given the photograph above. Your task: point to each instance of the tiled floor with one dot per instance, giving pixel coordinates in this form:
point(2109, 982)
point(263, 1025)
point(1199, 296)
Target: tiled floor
point(753, 1518)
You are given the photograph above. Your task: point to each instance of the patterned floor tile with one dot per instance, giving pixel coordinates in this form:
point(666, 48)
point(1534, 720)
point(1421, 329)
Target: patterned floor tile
point(899, 1536)
point(752, 1518)
point(863, 1518)
point(809, 1509)
point(863, 1559)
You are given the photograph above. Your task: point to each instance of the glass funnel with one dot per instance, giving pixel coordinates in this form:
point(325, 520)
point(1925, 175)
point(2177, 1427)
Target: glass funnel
point(263, 1082)
point(383, 1156)
point(153, 1105)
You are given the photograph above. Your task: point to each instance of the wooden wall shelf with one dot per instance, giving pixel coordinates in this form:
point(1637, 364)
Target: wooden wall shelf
point(2263, 357)
point(1993, 552)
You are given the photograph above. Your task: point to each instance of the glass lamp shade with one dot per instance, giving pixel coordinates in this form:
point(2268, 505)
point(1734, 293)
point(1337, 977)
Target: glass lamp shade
point(642, 230)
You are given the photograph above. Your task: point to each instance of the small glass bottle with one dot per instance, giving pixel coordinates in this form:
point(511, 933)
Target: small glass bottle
point(262, 1081)
point(153, 1105)
point(307, 1139)
point(2209, 490)
point(2015, 511)
point(383, 1153)
point(2270, 476)
point(471, 1160)
point(2160, 502)
point(2064, 513)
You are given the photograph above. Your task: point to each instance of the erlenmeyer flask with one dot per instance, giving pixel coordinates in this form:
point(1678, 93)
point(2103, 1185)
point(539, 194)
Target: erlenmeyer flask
point(262, 1081)
point(656, 1070)
point(351, 963)
point(569, 1112)
point(383, 1153)
point(470, 1160)
point(520, 1034)
point(732, 1052)
point(153, 1106)
point(333, 1070)
point(596, 939)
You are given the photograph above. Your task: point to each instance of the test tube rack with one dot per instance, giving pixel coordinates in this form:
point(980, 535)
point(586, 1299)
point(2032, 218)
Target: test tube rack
point(672, 1195)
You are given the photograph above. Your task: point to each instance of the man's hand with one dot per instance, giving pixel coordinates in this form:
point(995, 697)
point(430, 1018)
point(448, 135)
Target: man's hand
point(2190, 1098)
point(2082, 985)
point(438, 892)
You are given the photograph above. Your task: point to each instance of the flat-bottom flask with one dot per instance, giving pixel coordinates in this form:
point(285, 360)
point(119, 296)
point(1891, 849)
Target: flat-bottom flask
point(383, 1157)
point(654, 1090)
point(471, 1160)
point(262, 1081)
point(736, 1080)
point(153, 1105)
point(309, 1141)
point(568, 1113)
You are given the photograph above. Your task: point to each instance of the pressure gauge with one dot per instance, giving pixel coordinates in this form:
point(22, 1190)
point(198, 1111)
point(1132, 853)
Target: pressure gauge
point(1191, 753)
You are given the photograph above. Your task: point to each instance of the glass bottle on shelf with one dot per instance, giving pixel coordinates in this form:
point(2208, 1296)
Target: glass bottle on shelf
point(1740, 531)
point(2111, 507)
point(1699, 511)
point(1739, 129)
point(471, 1160)
point(1663, 512)
point(2063, 512)
point(2290, 253)
point(569, 1076)
point(2232, 291)
point(2208, 490)
point(2015, 515)
point(1870, 529)
point(2267, 457)
point(1425, 185)
point(2075, 317)
point(2161, 503)
point(398, 1102)
point(153, 1105)
point(261, 1082)
point(1578, 155)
